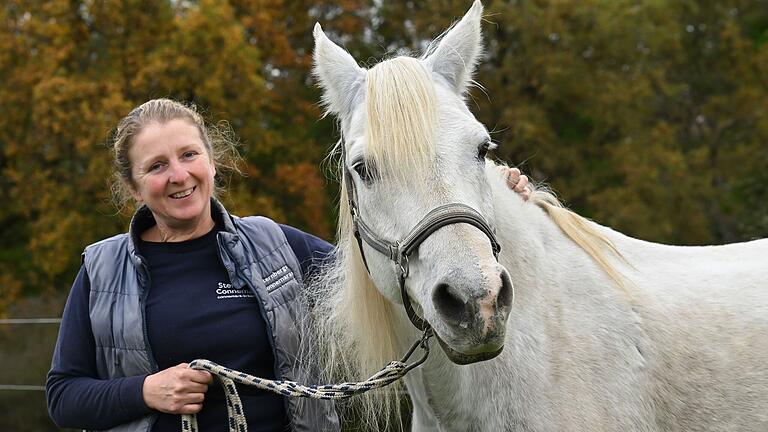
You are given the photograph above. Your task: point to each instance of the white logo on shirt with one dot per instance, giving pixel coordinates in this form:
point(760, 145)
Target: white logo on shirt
point(225, 291)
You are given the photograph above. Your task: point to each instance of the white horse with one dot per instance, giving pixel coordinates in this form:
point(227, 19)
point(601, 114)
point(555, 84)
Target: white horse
point(605, 333)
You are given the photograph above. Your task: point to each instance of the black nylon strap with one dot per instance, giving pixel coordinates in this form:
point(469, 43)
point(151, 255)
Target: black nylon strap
point(439, 217)
point(417, 321)
point(383, 246)
point(351, 200)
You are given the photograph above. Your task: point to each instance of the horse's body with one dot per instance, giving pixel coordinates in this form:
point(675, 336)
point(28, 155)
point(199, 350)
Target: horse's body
point(684, 348)
point(606, 332)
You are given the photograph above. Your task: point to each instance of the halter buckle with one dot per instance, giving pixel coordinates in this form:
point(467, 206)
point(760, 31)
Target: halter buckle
point(403, 264)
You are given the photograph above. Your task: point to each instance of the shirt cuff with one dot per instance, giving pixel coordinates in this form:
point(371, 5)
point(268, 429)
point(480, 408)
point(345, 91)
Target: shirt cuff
point(133, 402)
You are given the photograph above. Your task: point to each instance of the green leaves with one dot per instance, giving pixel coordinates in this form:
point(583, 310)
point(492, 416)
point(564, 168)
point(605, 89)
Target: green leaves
point(641, 115)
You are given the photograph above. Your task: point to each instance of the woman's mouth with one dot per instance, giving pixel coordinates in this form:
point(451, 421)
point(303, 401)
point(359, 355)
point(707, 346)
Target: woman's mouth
point(183, 194)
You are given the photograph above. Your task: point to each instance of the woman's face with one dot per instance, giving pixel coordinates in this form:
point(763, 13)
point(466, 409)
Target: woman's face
point(173, 174)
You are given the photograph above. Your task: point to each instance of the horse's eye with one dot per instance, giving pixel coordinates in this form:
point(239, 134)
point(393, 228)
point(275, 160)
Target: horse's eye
point(361, 168)
point(482, 151)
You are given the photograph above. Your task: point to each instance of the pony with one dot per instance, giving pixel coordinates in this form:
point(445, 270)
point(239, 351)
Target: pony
point(573, 327)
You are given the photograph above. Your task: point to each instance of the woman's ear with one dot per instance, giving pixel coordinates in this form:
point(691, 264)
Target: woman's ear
point(132, 190)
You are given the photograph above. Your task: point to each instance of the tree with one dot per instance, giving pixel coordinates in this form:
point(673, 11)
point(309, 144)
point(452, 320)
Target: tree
point(648, 117)
point(71, 69)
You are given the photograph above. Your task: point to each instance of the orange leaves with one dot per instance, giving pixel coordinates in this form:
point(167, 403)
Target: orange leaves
point(301, 183)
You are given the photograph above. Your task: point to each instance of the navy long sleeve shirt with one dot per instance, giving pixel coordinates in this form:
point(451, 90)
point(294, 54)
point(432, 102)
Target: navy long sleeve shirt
point(78, 398)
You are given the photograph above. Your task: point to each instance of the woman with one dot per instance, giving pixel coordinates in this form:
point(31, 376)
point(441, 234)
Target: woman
point(187, 281)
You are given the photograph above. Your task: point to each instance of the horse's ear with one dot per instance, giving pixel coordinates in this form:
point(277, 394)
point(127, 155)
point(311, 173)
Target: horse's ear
point(338, 73)
point(456, 53)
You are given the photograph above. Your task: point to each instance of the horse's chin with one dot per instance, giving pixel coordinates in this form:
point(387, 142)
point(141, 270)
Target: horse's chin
point(464, 359)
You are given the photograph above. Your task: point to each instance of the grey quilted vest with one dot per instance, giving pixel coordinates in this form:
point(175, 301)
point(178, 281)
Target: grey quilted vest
point(256, 254)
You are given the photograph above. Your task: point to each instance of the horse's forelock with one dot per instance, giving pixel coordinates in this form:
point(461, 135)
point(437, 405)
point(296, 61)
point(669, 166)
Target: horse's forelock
point(401, 117)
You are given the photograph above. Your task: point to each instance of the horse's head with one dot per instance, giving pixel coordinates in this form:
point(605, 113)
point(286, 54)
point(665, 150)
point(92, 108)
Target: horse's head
point(410, 145)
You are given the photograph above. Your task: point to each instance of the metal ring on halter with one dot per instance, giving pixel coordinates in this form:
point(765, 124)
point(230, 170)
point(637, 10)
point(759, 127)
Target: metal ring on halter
point(404, 265)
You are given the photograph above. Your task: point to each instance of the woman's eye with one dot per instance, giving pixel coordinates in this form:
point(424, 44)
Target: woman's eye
point(155, 166)
point(190, 154)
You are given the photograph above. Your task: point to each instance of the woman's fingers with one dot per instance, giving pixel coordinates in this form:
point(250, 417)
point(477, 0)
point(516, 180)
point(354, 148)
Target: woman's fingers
point(522, 182)
point(176, 390)
point(190, 409)
point(516, 181)
point(194, 387)
point(198, 376)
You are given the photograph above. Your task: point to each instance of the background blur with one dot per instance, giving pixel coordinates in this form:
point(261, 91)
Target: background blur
point(650, 116)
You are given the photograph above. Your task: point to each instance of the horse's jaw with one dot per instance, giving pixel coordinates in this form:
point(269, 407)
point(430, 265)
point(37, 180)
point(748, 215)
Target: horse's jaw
point(460, 358)
point(465, 346)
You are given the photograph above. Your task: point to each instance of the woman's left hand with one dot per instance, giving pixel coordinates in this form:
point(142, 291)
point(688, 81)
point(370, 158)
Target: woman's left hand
point(516, 181)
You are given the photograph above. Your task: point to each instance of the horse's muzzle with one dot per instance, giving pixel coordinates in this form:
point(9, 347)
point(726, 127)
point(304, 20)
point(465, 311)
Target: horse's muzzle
point(473, 319)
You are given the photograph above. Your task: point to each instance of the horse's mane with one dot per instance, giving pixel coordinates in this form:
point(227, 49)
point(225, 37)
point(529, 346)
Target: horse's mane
point(581, 231)
point(355, 323)
point(401, 118)
point(353, 329)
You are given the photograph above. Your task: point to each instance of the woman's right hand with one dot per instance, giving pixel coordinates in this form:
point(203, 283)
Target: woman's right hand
point(176, 390)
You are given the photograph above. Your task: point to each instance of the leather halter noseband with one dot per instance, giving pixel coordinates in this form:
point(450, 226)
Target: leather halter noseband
point(399, 251)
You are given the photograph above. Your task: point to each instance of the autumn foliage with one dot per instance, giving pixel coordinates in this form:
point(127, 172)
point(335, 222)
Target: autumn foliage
point(648, 116)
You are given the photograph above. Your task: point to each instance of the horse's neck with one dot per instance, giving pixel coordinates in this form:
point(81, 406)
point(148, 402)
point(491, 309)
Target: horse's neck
point(552, 278)
point(545, 265)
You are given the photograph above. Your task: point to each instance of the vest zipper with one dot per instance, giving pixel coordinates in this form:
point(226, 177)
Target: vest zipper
point(150, 355)
point(144, 295)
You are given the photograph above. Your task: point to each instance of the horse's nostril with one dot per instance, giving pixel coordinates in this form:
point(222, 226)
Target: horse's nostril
point(506, 292)
point(449, 304)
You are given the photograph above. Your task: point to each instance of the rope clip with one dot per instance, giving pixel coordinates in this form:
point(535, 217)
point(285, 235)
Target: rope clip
point(422, 342)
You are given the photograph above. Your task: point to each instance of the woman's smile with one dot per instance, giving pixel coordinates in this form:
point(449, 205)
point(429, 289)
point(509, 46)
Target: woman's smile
point(183, 194)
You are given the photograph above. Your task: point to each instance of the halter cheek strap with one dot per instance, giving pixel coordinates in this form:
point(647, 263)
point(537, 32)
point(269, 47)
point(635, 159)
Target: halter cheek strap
point(400, 251)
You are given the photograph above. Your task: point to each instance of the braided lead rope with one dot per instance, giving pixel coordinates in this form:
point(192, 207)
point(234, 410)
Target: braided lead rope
point(237, 422)
point(228, 377)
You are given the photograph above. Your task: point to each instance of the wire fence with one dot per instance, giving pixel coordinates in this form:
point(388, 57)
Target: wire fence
point(22, 387)
point(30, 321)
point(23, 321)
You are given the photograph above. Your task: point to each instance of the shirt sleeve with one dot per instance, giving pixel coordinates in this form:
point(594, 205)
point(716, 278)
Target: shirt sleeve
point(312, 252)
point(76, 397)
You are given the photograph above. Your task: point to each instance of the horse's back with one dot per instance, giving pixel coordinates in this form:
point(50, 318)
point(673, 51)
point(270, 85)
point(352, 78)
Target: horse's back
point(705, 313)
point(688, 273)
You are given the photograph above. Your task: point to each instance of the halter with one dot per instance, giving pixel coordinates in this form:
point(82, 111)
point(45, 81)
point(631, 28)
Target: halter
point(399, 251)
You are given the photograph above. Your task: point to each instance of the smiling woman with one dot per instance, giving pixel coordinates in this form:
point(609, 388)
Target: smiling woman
point(147, 302)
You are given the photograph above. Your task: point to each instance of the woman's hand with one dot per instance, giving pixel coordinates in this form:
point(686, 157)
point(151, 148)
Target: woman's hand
point(176, 390)
point(516, 181)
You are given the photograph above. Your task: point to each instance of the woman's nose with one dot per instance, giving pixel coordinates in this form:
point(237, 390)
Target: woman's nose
point(178, 174)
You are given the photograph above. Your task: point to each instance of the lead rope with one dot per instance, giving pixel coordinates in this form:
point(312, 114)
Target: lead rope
point(228, 377)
